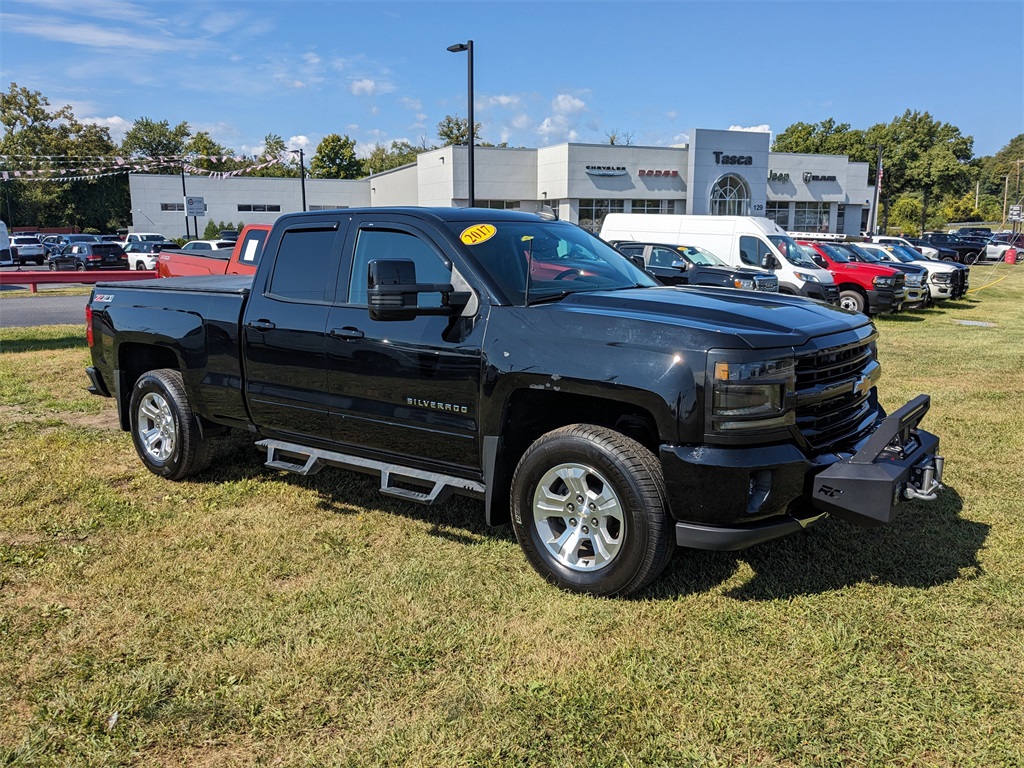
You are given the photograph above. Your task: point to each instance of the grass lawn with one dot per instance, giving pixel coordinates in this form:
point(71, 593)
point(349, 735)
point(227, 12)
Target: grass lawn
point(251, 617)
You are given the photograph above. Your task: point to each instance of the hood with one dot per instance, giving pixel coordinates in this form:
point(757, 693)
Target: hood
point(741, 319)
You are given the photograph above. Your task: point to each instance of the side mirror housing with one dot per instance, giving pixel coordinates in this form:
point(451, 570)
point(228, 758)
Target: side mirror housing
point(638, 260)
point(770, 262)
point(392, 292)
point(681, 265)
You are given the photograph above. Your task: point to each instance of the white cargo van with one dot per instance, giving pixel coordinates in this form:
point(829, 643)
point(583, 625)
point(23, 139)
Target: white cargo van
point(742, 241)
point(6, 257)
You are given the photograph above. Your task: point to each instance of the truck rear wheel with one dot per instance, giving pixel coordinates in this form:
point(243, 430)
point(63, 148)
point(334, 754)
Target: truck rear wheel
point(165, 430)
point(589, 511)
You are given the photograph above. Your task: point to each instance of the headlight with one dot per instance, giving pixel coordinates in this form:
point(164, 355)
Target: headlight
point(807, 277)
point(942, 277)
point(915, 281)
point(883, 282)
point(747, 285)
point(751, 395)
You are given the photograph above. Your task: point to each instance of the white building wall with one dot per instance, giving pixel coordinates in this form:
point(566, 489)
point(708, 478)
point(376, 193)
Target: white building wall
point(710, 154)
point(223, 196)
point(436, 178)
point(398, 186)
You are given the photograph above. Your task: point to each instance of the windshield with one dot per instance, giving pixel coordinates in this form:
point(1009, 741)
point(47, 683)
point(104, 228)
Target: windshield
point(701, 256)
point(152, 238)
point(860, 253)
point(836, 254)
point(793, 253)
point(564, 259)
point(906, 253)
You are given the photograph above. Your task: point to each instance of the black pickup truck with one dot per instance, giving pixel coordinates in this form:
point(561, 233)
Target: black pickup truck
point(691, 265)
point(525, 362)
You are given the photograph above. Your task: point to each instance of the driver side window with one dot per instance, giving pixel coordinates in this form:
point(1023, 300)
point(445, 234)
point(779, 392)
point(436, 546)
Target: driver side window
point(373, 244)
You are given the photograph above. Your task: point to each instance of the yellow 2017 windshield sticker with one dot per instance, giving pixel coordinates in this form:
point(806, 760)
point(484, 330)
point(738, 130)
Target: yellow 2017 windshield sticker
point(477, 234)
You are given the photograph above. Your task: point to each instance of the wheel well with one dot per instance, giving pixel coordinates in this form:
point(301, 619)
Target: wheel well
point(852, 287)
point(133, 360)
point(530, 414)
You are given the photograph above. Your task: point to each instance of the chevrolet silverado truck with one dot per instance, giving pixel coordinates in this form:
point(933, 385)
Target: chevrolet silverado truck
point(239, 260)
point(524, 362)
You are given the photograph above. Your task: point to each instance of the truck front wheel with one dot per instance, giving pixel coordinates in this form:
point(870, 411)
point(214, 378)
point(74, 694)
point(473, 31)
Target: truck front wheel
point(589, 511)
point(166, 432)
point(852, 300)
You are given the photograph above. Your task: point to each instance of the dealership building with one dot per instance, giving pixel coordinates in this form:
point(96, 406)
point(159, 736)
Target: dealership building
point(718, 172)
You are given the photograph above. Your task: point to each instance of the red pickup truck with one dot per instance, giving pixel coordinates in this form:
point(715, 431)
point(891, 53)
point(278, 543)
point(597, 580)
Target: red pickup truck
point(241, 260)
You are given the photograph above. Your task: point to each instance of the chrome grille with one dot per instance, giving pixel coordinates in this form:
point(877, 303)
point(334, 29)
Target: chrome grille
point(833, 389)
point(766, 283)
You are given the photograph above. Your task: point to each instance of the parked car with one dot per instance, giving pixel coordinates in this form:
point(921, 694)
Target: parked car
point(53, 243)
point(229, 234)
point(26, 248)
point(967, 252)
point(997, 247)
point(207, 245)
point(133, 237)
point(923, 248)
point(942, 253)
point(691, 265)
point(142, 254)
point(863, 287)
point(241, 260)
point(84, 256)
point(6, 257)
point(946, 279)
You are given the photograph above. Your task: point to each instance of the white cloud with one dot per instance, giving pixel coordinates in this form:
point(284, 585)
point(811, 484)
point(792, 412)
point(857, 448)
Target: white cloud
point(414, 104)
point(117, 125)
point(502, 101)
point(521, 121)
point(753, 128)
point(363, 87)
point(299, 142)
point(311, 58)
point(566, 104)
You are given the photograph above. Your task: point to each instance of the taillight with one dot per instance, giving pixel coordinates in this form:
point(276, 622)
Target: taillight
point(88, 325)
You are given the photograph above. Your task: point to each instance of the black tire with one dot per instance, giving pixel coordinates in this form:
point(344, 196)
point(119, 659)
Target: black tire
point(79, 267)
point(971, 258)
point(621, 487)
point(139, 266)
point(851, 300)
point(40, 261)
point(166, 432)
point(53, 267)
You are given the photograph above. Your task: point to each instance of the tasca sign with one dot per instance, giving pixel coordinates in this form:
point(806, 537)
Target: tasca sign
point(195, 206)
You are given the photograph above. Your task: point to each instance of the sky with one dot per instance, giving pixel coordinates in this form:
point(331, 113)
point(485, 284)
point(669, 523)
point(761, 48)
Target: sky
point(545, 71)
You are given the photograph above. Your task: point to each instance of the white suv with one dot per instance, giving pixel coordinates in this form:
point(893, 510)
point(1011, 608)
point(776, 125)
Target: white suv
point(25, 248)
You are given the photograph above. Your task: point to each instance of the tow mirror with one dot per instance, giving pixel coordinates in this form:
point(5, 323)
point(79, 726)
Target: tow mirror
point(769, 262)
point(392, 292)
point(637, 260)
point(681, 265)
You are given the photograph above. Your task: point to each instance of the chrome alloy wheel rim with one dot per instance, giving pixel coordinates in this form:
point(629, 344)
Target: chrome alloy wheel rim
point(579, 517)
point(156, 428)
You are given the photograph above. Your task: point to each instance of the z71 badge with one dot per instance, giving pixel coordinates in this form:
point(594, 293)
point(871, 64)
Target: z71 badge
point(105, 298)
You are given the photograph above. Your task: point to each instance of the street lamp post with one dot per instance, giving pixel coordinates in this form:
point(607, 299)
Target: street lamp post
point(878, 185)
point(459, 48)
point(302, 172)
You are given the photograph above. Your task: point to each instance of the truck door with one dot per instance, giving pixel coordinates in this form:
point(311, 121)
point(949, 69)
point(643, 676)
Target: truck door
point(284, 328)
point(408, 388)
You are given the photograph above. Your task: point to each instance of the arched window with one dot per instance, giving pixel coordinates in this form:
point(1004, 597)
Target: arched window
point(730, 197)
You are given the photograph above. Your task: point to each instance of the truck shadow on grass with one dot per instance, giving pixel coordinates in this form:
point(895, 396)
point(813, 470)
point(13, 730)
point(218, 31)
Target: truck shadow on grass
point(927, 544)
point(42, 345)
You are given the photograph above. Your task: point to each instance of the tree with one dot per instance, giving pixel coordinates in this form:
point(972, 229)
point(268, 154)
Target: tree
point(150, 139)
point(384, 158)
point(614, 137)
point(825, 138)
point(204, 146)
point(274, 146)
point(335, 158)
point(454, 131)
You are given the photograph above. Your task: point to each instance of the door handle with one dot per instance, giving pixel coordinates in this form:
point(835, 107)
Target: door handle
point(260, 325)
point(347, 333)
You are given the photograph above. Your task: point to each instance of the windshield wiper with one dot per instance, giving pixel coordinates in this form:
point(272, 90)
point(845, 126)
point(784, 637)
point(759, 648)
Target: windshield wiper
point(548, 298)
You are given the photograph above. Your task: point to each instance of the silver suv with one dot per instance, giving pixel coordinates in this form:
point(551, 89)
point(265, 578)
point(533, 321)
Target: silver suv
point(26, 248)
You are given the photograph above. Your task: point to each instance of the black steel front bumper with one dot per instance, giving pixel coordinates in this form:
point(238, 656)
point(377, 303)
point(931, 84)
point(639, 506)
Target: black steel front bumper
point(727, 499)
